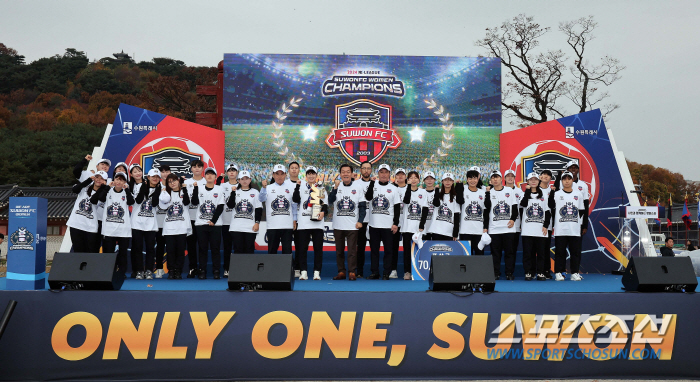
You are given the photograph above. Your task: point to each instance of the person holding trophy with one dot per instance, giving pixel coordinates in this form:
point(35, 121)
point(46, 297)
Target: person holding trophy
point(313, 207)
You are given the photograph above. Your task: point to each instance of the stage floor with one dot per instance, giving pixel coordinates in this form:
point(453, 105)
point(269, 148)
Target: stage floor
point(592, 283)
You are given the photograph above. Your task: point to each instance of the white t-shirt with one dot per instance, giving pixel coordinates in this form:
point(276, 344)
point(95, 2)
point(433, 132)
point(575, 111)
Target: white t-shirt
point(413, 210)
point(209, 200)
point(402, 192)
point(382, 205)
point(243, 212)
point(431, 209)
point(189, 184)
point(304, 215)
point(143, 215)
point(582, 187)
point(501, 207)
point(443, 217)
point(347, 205)
point(566, 213)
point(99, 209)
point(228, 212)
point(279, 212)
point(84, 214)
point(533, 215)
point(116, 220)
point(473, 212)
point(177, 215)
point(518, 197)
point(160, 213)
point(545, 194)
point(363, 185)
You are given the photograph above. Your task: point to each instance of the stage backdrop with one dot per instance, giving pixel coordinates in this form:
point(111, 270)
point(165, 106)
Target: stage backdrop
point(583, 137)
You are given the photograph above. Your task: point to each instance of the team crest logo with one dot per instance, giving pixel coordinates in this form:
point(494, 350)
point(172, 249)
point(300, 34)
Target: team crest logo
point(474, 212)
point(345, 207)
point(553, 161)
point(178, 160)
point(535, 214)
point(444, 214)
point(363, 131)
point(568, 213)
point(280, 206)
point(244, 210)
point(507, 195)
point(85, 208)
point(380, 205)
point(206, 210)
point(216, 196)
point(575, 197)
point(115, 213)
point(21, 239)
point(501, 211)
point(420, 196)
point(146, 209)
point(580, 188)
point(175, 212)
point(353, 192)
point(414, 210)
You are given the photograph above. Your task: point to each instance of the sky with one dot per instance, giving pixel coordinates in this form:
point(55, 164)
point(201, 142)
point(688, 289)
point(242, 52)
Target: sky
point(656, 40)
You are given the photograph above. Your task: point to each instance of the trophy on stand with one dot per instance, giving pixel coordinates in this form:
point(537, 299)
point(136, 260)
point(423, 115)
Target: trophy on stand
point(318, 193)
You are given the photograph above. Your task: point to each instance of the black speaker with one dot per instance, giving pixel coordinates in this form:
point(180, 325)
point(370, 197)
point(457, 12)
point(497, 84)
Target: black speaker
point(92, 271)
point(660, 274)
point(261, 272)
point(462, 273)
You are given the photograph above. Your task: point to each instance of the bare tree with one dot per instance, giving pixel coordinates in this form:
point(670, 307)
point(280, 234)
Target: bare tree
point(537, 82)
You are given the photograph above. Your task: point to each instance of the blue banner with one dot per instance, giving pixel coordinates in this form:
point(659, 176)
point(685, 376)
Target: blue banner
point(421, 258)
point(26, 243)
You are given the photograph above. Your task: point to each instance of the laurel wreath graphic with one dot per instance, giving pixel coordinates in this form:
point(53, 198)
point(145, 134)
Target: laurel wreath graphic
point(278, 134)
point(447, 135)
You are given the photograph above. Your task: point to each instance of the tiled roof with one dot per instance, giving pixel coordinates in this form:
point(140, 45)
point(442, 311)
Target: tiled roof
point(60, 199)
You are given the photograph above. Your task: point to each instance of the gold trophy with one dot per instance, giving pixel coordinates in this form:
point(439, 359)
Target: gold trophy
point(317, 195)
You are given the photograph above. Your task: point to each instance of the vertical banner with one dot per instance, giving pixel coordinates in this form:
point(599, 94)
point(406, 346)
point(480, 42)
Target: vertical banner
point(584, 138)
point(26, 246)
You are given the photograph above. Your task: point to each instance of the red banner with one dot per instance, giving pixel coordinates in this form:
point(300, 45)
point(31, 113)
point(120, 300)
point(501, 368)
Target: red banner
point(369, 133)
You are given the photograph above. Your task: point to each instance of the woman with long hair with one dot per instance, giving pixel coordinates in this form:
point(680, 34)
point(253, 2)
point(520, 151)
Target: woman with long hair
point(176, 225)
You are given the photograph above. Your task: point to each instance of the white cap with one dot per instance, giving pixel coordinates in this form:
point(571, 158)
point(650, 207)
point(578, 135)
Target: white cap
point(102, 174)
point(154, 172)
point(510, 172)
point(212, 169)
point(279, 167)
point(572, 163)
point(105, 160)
point(232, 166)
point(384, 166)
point(398, 170)
point(122, 175)
point(485, 240)
point(494, 173)
point(533, 175)
point(566, 173)
point(475, 168)
point(418, 239)
point(244, 174)
point(134, 165)
point(448, 175)
point(429, 173)
point(312, 169)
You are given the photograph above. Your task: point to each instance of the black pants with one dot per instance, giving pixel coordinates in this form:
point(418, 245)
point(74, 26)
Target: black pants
point(228, 245)
point(110, 244)
point(192, 246)
point(503, 242)
point(100, 239)
point(377, 236)
point(516, 241)
point(547, 250)
point(305, 236)
point(137, 239)
point(395, 253)
point(361, 245)
point(277, 236)
point(209, 237)
point(243, 242)
point(474, 242)
point(534, 255)
point(83, 241)
point(176, 251)
point(295, 259)
point(160, 248)
point(561, 244)
point(407, 241)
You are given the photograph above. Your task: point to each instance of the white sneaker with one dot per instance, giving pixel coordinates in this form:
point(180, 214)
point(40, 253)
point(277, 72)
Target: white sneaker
point(225, 273)
point(303, 275)
point(149, 275)
point(576, 277)
point(317, 275)
point(139, 275)
point(393, 275)
point(160, 273)
point(407, 276)
point(297, 273)
point(559, 277)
